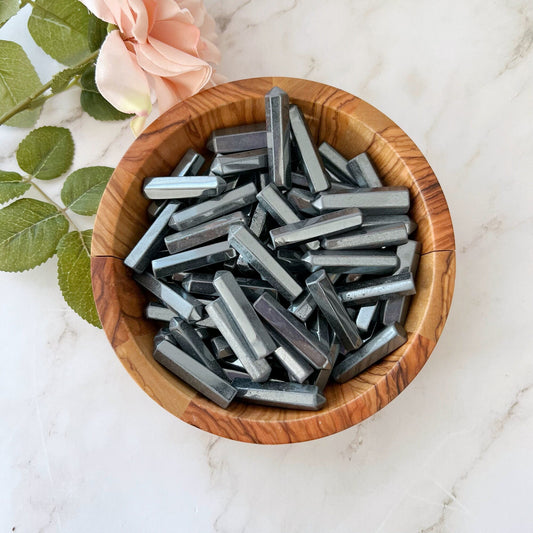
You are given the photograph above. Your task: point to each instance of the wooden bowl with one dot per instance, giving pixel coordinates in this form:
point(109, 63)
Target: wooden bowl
point(350, 125)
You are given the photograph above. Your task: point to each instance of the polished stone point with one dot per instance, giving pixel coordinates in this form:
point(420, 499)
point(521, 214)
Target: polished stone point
point(292, 330)
point(278, 137)
point(164, 335)
point(259, 258)
point(157, 311)
point(312, 163)
point(323, 375)
point(281, 267)
point(193, 259)
point(238, 138)
point(203, 333)
point(221, 205)
point(322, 290)
point(189, 165)
point(336, 164)
point(195, 374)
point(156, 207)
point(149, 244)
point(302, 201)
point(182, 303)
point(271, 199)
point(363, 171)
point(257, 226)
point(202, 283)
point(319, 226)
point(258, 369)
point(379, 346)
point(187, 338)
point(239, 307)
point(369, 291)
point(236, 163)
point(374, 237)
point(290, 259)
point(373, 262)
point(379, 201)
point(395, 309)
point(176, 188)
point(303, 307)
point(320, 327)
point(299, 180)
point(383, 220)
point(297, 368)
point(206, 232)
point(409, 256)
point(221, 348)
point(280, 394)
point(258, 221)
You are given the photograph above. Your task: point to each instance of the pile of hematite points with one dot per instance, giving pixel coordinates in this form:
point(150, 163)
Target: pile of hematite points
point(279, 266)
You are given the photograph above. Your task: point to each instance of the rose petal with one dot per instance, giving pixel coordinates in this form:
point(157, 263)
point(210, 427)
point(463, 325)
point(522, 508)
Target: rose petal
point(120, 79)
point(177, 34)
point(196, 8)
point(151, 10)
point(139, 13)
point(171, 10)
point(167, 96)
point(168, 45)
point(208, 52)
point(159, 59)
point(206, 48)
point(137, 125)
point(187, 84)
point(175, 55)
point(171, 90)
point(121, 13)
point(218, 78)
point(154, 63)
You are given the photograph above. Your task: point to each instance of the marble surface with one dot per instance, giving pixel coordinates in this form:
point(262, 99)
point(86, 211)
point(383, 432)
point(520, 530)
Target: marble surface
point(83, 449)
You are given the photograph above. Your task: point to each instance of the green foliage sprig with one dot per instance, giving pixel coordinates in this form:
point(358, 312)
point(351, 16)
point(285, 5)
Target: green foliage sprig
point(32, 231)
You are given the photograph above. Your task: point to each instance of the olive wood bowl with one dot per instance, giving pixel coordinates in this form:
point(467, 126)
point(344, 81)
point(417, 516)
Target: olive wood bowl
point(351, 126)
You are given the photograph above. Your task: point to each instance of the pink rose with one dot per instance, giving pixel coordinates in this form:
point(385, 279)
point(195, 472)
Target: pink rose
point(160, 45)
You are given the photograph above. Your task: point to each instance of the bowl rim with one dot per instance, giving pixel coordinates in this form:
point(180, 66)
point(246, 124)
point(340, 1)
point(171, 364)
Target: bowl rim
point(129, 340)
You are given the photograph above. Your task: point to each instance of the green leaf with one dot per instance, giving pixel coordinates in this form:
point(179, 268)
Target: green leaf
point(8, 8)
point(11, 186)
point(83, 189)
point(96, 33)
point(60, 28)
point(29, 233)
point(18, 80)
point(74, 274)
point(46, 152)
point(61, 80)
point(94, 103)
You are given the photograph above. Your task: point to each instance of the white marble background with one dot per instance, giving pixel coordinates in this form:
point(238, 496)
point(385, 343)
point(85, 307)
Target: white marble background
point(83, 449)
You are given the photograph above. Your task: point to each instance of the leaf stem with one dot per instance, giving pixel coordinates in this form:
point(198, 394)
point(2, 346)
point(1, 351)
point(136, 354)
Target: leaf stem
point(26, 103)
point(48, 199)
point(62, 210)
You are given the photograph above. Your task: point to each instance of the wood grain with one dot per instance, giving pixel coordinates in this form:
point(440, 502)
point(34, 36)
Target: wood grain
point(350, 125)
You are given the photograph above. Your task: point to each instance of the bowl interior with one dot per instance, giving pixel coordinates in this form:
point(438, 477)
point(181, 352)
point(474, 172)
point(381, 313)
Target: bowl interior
point(351, 126)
